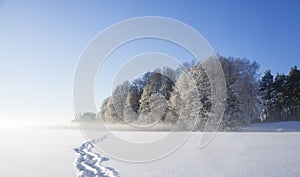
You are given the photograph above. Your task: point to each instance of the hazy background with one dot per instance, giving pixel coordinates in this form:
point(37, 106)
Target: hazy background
point(41, 42)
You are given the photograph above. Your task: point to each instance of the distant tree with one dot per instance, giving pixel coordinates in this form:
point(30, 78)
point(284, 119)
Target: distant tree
point(103, 110)
point(86, 117)
point(111, 115)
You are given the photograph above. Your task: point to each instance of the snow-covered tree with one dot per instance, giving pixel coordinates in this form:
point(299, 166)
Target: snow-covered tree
point(282, 98)
point(103, 110)
point(242, 92)
point(118, 97)
point(185, 99)
point(111, 115)
point(185, 102)
point(293, 93)
point(202, 84)
point(151, 90)
point(266, 89)
point(279, 110)
point(168, 80)
point(173, 107)
point(132, 104)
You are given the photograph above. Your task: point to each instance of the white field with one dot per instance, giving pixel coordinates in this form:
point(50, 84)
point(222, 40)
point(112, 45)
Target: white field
point(50, 153)
point(228, 155)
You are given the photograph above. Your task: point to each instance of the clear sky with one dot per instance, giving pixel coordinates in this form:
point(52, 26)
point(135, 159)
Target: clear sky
point(41, 42)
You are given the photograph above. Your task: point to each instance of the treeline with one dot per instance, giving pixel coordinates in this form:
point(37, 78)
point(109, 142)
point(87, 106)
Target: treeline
point(167, 96)
point(280, 96)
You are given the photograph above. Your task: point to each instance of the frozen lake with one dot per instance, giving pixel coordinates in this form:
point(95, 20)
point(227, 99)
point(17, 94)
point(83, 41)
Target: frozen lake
point(35, 152)
point(50, 153)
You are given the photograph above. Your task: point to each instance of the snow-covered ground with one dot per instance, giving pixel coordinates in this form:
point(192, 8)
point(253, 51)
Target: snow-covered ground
point(229, 154)
point(89, 162)
point(288, 126)
point(275, 151)
point(26, 152)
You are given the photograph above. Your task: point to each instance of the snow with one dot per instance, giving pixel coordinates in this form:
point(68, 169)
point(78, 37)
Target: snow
point(229, 154)
point(274, 151)
point(89, 162)
point(288, 126)
point(30, 152)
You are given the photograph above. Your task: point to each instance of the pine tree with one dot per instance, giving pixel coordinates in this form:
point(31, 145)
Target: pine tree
point(293, 93)
point(266, 89)
point(279, 109)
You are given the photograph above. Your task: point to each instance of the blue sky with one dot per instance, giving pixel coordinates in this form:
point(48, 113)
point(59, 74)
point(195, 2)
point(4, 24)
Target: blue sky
point(41, 42)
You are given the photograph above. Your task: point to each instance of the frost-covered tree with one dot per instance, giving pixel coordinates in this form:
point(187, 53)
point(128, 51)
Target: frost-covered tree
point(168, 80)
point(231, 116)
point(242, 92)
point(184, 96)
point(119, 97)
point(103, 110)
point(132, 104)
point(202, 84)
point(87, 117)
point(248, 90)
point(190, 100)
point(173, 107)
point(111, 115)
point(150, 90)
point(184, 102)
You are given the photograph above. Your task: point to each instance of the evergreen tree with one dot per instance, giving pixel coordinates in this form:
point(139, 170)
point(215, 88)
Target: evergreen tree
point(266, 89)
point(279, 109)
point(293, 93)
